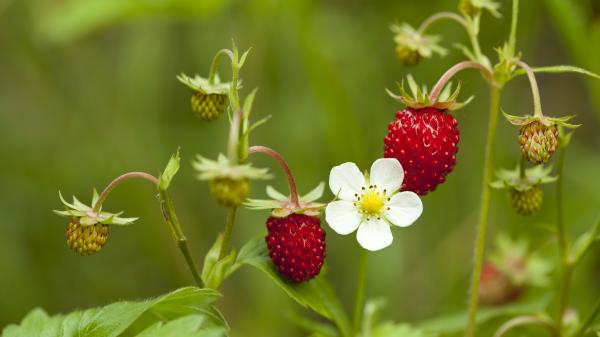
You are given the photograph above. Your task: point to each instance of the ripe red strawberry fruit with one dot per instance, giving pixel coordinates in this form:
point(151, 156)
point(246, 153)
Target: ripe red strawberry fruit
point(296, 244)
point(425, 141)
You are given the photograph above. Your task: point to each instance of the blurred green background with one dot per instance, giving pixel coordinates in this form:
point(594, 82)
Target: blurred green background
point(88, 91)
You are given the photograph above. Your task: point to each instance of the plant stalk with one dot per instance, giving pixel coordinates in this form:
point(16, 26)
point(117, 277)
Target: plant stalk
point(479, 248)
point(563, 245)
point(359, 301)
point(229, 222)
point(439, 16)
point(111, 186)
point(215, 64)
point(535, 91)
point(588, 322)
point(437, 89)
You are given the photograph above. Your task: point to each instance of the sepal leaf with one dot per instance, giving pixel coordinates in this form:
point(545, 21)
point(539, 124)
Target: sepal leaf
point(169, 172)
point(88, 217)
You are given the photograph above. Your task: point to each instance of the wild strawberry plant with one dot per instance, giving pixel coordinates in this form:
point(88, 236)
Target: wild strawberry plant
point(419, 152)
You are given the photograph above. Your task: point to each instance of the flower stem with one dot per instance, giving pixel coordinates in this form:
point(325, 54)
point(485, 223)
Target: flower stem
point(168, 211)
point(111, 186)
point(479, 248)
point(215, 64)
point(526, 320)
point(437, 89)
point(359, 301)
point(473, 31)
point(439, 16)
point(535, 91)
point(512, 39)
point(583, 328)
point(277, 156)
point(563, 245)
point(234, 137)
point(230, 221)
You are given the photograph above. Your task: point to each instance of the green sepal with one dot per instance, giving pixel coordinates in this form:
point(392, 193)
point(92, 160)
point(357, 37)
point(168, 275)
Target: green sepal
point(533, 176)
point(424, 45)
point(223, 168)
point(419, 99)
point(281, 205)
point(169, 172)
point(203, 85)
point(545, 120)
point(522, 266)
point(488, 5)
point(86, 215)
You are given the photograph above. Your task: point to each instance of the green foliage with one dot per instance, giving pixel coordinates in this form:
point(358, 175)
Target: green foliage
point(186, 312)
point(169, 172)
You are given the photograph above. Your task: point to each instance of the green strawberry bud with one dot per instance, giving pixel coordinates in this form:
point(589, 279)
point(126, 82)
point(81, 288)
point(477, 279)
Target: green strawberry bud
point(538, 141)
point(229, 192)
point(208, 107)
point(527, 201)
point(86, 240)
point(407, 55)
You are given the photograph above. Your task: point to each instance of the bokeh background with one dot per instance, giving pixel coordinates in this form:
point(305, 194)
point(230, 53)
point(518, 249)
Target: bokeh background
point(88, 91)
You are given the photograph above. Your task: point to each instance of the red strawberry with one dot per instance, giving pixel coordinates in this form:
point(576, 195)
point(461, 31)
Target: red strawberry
point(495, 287)
point(296, 245)
point(425, 141)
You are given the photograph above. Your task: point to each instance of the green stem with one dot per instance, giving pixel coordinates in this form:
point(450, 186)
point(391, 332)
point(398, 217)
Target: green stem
point(526, 320)
point(359, 301)
point(479, 248)
point(522, 173)
point(168, 211)
point(473, 31)
point(563, 245)
point(535, 91)
point(230, 221)
point(215, 64)
point(512, 40)
point(439, 16)
point(588, 322)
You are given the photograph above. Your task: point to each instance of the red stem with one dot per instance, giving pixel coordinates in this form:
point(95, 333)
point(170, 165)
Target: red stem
point(117, 181)
point(437, 89)
point(277, 156)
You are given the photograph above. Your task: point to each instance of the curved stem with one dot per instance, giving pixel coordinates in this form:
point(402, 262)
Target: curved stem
point(230, 221)
point(535, 91)
point(439, 16)
point(215, 64)
point(277, 156)
point(525, 320)
point(437, 89)
point(111, 186)
point(473, 31)
point(588, 322)
point(359, 301)
point(479, 249)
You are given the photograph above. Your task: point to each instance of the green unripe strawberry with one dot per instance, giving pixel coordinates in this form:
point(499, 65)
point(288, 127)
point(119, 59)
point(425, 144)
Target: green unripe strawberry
point(86, 240)
point(407, 56)
point(528, 201)
point(208, 107)
point(538, 141)
point(229, 192)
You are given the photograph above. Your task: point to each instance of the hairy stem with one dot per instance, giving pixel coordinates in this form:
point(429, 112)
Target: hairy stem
point(588, 322)
point(359, 301)
point(479, 248)
point(230, 221)
point(563, 245)
point(535, 91)
point(168, 211)
point(215, 64)
point(290, 177)
point(111, 186)
point(437, 89)
point(440, 16)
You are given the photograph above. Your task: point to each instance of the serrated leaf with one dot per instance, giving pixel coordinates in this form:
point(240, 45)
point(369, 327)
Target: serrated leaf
point(315, 294)
point(215, 271)
point(121, 318)
point(187, 326)
point(169, 172)
point(248, 102)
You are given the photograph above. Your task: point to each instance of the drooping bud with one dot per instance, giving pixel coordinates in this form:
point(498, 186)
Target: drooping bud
point(86, 240)
point(527, 201)
point(208, 107)
point(229, 192)
point(538, 141)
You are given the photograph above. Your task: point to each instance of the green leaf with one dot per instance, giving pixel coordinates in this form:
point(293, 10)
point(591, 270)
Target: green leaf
point(188, 326)
point(315, 294)
point(313, 326)
point(559, 69)
point(215, 271)
point(399, 330)
point(454, 323)
point(583, 244)
point(169, 172)
point(122, 318)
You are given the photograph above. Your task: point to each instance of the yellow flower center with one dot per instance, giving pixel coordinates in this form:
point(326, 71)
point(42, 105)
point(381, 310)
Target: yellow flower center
point(371, 201)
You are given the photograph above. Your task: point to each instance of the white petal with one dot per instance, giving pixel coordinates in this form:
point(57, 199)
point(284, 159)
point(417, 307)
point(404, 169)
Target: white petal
point(374, 234)
point(345, 180)
point(387, 174)
point(342, 216)
point(404, 209)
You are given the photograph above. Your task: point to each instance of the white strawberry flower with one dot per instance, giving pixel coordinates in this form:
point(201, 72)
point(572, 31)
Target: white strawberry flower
point(371, 202)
